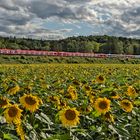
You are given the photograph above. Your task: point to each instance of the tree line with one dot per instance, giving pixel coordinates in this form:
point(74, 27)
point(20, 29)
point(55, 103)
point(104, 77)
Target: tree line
point(96, 44)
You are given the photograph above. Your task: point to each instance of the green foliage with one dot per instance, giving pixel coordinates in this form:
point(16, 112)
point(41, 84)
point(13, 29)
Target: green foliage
point(51, 59)
point(97, 44)
point(48, 80)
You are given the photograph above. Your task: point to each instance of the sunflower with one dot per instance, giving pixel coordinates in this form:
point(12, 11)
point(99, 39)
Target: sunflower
point(76, 82)
point(28, 88)
point(109, 117)
point(4, 84)
point(88, 109)
point(126, 105)
point(72, 93)
point(54, 99)
point(13, 90)
point(102, 105)
point(90, 93)
point(100, 79)
point(91, 99)
point(4, 102)
point(61, 91)
point(69, 117)
point(30, 102)
point(114, 95)
point(13, 114)
point(20, 131)
point(63, 104)
point(70, 88)
point(131, 92)
point(40, 100)
point(87, 88)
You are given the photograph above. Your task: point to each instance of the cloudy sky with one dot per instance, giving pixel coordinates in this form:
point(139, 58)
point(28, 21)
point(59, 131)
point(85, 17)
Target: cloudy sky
point(57, 19)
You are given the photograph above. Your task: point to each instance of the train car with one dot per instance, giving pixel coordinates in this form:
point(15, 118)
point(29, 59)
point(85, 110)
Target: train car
point(100, 55)
point(120, 56)
point(4, 51)
point(64, 54)
point(136, 56)
point(1, 51)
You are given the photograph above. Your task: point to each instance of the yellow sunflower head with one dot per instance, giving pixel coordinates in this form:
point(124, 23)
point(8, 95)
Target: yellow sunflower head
point(100, 79)
point(91, 99)
point(63, 104)
point(102, 105)
point(131, 92)
point(13, 114)
point(13, 90)
point(54, 99)
point(40, 100)
point(114, 95)
point(70, 88)
point(4, 102)
point(88, 109)
point(126, 105)
point(28, 88)
point(87, 88)
point(76, 82)
point(109, 117)
point(30, 102)
point(20, 131)
point(62, 91)
point(73, 95)
point(69, 117)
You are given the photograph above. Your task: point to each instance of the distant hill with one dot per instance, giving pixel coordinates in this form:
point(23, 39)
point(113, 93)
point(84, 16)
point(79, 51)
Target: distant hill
point(97, 44)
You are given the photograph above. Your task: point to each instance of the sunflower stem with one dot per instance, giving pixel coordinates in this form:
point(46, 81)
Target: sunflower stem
point(32, 119)
point(70, 133)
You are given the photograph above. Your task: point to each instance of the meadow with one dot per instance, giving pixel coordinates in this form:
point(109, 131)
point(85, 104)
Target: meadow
point(70, 102)
point(29, 59)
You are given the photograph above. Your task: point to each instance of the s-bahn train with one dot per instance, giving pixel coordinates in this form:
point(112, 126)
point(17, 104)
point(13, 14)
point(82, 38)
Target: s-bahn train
point(64, 54)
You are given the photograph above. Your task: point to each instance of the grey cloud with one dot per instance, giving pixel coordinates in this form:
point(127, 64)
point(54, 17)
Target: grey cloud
point(8, 5)
point(4, 29)
point(120, 19)
point(14, 5)
point(116, 17)
point(118, 29)
point(132, 15)
point(31, 30)
point(14, 13)
point(64, 10)
point(45, 9)
point(17, 20)
point(78, 1)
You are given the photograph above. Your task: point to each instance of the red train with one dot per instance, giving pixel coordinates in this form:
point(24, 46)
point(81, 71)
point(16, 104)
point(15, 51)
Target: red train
point(63, 54)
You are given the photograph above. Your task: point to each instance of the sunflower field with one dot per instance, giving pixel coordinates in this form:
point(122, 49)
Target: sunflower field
point(69, 102)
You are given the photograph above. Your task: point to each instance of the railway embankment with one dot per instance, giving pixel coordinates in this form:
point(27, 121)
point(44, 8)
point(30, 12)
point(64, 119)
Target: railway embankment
point(24, 59)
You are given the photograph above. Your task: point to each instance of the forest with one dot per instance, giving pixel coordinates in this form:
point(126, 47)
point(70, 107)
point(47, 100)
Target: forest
point(96, 44)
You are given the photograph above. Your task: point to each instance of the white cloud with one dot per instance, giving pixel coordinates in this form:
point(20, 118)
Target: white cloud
point(26, 17)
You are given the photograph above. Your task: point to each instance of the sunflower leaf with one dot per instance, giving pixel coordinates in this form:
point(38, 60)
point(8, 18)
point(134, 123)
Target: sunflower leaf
point(96, 114)
point(60, 137)
point(9, 137)
point(123, 131)
point(46, 118)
